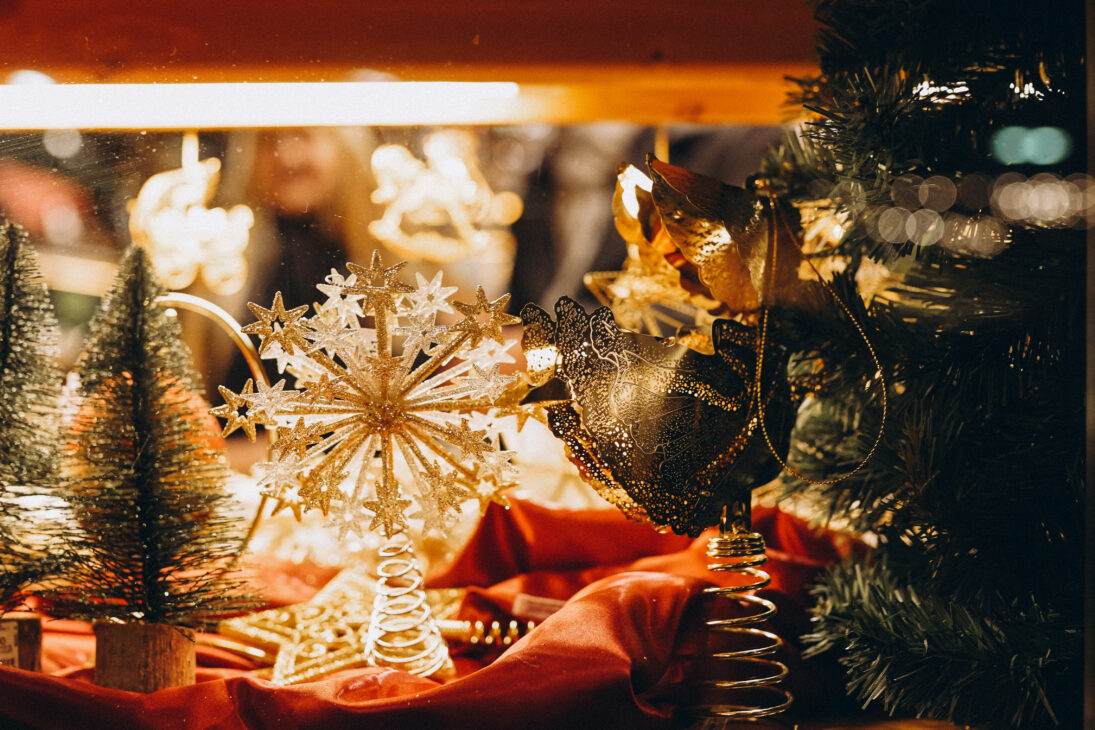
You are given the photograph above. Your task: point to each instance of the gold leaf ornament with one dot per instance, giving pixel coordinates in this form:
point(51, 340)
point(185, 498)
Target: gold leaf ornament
point(724, 235)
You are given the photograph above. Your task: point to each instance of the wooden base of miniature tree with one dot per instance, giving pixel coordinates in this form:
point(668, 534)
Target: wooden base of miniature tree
point(21, 641)
point(143, 657)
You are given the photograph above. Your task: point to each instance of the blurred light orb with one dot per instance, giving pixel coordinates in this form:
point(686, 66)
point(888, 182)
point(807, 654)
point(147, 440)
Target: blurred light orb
point(937, 193)
point(924, 227)
point(905, 191)
point(1008, 196)
point(980, 235)
point(28, 76)
point(62, 225)
point(1017, 145)
point(850, 195)
point(892, 225)
point(1049, 198)
point(1007, 145)
point(62, 143)
point(1047, 145)
point(1084, 199)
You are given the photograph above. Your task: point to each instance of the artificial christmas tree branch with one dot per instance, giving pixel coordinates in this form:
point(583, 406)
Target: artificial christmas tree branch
point(972, 607)
point(30, 388)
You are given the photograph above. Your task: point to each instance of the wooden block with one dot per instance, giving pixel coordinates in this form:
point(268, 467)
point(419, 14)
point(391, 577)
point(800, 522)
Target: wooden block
point(21, 641)
point(143, 657)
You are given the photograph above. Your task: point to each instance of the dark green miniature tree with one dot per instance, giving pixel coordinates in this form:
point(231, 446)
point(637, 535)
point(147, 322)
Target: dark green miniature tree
point(30, 388)
point(146, 473)
point(970, 608)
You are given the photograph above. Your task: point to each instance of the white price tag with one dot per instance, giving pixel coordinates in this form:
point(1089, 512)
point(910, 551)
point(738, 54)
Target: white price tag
point(535, 608)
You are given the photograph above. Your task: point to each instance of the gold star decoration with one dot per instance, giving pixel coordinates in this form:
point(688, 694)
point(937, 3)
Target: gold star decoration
point(496, 317)
point(276, 325)
point(296, 440)
point(328, 632)
point(378, 286)
point(233, 416)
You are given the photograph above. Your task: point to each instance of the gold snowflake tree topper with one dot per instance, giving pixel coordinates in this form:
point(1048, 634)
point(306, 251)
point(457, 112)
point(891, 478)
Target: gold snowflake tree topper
point(393, 417)
point(393, 414)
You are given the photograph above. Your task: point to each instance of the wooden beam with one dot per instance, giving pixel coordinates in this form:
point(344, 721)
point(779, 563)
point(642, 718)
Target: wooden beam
point(640, 60)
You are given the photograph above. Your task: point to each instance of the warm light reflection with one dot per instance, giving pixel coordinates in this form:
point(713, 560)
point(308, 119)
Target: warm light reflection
point(184, 238)
point(630, 179)
point(229, 105)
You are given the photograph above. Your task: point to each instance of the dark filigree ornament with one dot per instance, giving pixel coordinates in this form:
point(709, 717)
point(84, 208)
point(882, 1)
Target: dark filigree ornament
point(663, 432)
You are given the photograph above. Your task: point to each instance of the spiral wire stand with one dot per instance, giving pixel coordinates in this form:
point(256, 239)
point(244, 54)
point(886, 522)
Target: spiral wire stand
point(745, 676)
point(402, 631)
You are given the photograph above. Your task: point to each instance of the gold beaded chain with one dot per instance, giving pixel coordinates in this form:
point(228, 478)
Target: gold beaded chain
point(769, 276)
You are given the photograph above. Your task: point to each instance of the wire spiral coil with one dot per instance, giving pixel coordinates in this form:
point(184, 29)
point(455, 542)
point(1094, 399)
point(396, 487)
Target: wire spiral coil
point(402, 631)
point(742, 678)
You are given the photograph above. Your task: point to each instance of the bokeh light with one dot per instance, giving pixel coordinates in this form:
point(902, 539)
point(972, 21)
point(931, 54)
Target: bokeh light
point(1017, 145)
point(62, 143)
point(937, 193)
point(924, 227)
point(978, 235)
point(905, 191)
point(891, 225)
point(1044, 200)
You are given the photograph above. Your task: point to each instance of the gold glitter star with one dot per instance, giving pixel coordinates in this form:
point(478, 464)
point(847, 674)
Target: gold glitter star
point(328, 632)
point(318, 489)
point(387, 514)
point(378, 285)
point(496, 317)
point(322, 390)
point(470, 442)
point(446, 495)
point(296, 440)
point(230, 411)
point(277, 325)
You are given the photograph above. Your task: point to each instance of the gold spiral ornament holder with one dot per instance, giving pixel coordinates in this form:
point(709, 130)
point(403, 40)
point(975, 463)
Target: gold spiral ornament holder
point(402, 631)
point(740, 678)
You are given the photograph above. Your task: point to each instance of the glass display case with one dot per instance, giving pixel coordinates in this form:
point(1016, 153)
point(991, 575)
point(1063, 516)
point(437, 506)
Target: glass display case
point(262, 152)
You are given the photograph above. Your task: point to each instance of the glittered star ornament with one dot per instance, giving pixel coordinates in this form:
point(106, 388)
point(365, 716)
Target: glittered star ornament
point(368, 398)
point(231, 412)
point(376, 429)
point(496, 317)
point(276, 325)
point(376, 285)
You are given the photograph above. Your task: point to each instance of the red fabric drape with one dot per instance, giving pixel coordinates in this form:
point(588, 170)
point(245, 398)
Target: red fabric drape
point(611, 656)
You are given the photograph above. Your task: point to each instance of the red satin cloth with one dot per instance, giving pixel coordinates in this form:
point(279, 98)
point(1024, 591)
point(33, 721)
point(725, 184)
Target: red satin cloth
point(615, 654)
